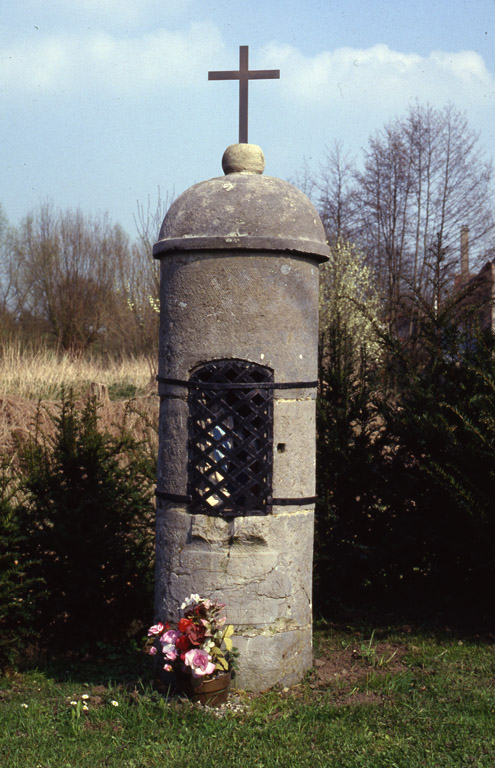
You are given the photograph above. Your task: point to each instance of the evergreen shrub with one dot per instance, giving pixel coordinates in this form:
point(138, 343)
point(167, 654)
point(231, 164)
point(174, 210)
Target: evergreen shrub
point(442, 425)
point(406, 473)
point(350, 454)
point(87, 518)
point(19, 589)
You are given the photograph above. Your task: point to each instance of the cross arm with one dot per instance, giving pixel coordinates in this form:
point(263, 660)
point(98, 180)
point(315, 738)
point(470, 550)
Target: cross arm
point(229, 74)
point(253, 74)
point(264, 74)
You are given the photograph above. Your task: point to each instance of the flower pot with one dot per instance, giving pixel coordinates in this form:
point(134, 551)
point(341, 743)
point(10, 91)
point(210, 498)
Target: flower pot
point(211, 693)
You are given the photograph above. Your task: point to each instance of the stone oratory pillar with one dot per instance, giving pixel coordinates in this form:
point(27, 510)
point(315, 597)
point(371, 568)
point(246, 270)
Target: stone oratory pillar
point(237, 381)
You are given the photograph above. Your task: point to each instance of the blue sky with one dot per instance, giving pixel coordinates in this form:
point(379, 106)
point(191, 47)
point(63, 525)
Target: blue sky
point(102, 102)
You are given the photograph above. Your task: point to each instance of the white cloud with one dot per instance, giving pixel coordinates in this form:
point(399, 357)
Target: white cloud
point(104, 61)
point(379, 75)
point(468, 66)
point(113, 62)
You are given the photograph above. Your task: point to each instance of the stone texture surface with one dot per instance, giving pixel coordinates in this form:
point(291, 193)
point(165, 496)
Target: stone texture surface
point(245, 210)
point(239, 279)
point(172, 444)
point(260, 567)
point(274, 658)
point(294, 450)
point(243, 158)
point(256, 307)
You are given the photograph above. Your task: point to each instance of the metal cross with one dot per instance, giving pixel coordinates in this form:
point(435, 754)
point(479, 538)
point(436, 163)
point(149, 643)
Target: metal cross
point(244, 74)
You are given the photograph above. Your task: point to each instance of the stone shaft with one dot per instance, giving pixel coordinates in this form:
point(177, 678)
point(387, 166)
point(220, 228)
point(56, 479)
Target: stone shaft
point(242, 291)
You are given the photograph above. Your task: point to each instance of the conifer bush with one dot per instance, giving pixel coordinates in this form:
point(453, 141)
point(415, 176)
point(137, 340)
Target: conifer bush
point(19, 589)
point(87, 520)
point(350, 446)
point(406, 472)
point(443, 427)
point(349, 477)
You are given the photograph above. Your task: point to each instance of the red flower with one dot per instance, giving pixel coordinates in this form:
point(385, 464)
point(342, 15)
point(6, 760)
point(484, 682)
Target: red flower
point(184, 624)
point(183, 643)
point(196, 634)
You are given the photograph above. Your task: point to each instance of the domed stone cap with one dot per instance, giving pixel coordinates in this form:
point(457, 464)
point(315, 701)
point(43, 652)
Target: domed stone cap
point(243, 210)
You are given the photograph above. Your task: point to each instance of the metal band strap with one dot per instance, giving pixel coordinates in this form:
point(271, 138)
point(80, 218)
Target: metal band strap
point(239, 385)
point(179, 498)
point(183, 499)
point(286, 501)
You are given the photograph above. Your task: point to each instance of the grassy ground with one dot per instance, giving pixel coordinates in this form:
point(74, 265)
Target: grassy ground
point(39, 374)
point(399, 699)
point(29, 377)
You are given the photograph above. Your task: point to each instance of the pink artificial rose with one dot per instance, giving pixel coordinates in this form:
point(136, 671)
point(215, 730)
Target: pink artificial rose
point(155, 629)
point(169, 651)
point(170, 637)
point(153, 651)
point(167, 667)
point(199, 661)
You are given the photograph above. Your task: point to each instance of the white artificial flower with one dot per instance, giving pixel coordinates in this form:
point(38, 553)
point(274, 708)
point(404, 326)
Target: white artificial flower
point(190, 600)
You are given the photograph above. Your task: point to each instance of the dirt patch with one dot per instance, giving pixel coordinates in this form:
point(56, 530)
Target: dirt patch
point(350, 665)
point(346, 671)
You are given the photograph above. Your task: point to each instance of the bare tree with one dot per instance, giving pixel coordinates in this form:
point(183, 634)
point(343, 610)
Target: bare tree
point(336, 195)
point(6, 276)
point(142, 285)
point(424, 177)
point(68, 270)
point(305, 180)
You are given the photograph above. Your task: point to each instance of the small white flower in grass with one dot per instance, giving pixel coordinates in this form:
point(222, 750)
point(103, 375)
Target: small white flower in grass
point(85, 696)
point(114, 703)
point(85, 708)
point(24, 706)
point(73, 703)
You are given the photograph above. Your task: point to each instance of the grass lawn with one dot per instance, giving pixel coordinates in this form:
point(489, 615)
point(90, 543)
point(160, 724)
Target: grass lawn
point(395, 698)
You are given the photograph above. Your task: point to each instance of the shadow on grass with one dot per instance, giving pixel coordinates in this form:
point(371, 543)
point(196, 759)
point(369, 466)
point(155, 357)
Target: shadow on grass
point(132, 668)
point(115, 666)
point(435, 622)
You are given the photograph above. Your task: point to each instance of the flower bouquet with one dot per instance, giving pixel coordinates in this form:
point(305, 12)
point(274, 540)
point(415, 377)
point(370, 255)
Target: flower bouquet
point(199, 651)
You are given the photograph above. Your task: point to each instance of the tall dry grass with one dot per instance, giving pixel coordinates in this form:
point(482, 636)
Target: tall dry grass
point(39, 373)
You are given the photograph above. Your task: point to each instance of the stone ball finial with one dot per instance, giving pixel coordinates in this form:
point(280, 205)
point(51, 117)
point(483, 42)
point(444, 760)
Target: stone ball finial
point(243, 158)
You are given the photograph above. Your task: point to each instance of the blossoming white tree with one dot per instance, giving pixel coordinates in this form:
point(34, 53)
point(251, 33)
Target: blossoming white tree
point(350, 303)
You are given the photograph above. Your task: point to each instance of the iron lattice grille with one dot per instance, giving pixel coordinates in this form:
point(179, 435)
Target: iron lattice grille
point(230, 438)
